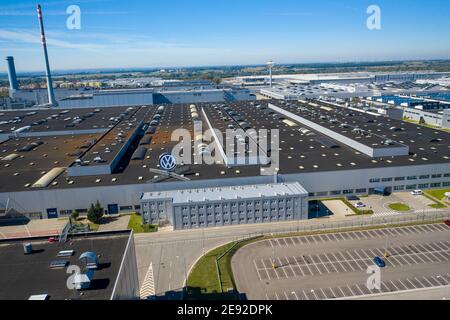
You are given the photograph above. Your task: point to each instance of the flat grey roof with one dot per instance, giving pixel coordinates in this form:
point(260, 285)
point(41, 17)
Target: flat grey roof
point(22, 276)
point(228, 193)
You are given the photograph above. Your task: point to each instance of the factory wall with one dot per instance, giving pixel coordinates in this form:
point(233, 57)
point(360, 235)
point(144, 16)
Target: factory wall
point(132, 98)
point(127, 282)
point(111, 99)
point(446, 119)
point(326, 183)
point(40, 96)
point(431, 118)
point(36, 202)
point(127, 197)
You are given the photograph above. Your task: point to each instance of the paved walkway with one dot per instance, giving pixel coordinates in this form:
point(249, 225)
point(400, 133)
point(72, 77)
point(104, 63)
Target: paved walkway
point(34, 228)
point(397, 213)
point(338, 207)
point(113, 223)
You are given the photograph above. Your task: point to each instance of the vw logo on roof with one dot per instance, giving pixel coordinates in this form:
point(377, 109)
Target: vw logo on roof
point(167, 161)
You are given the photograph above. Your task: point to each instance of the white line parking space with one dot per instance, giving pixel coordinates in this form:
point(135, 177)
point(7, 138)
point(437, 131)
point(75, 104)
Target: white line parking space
point(356, 290)
point(350, 261)
point(355, 235)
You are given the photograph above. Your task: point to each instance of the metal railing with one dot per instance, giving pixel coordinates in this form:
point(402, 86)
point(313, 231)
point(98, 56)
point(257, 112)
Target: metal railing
point(355, 223)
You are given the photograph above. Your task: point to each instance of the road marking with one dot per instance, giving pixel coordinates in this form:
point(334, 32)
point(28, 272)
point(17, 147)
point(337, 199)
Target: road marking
point(338, 261)
point(351, 290)
point(393, 283)
point(257, 270)
point(428, 281)
point(148, 286)
point(308, 266)
point(420, 282)
point(323, 293)
point(331, 263)
point(404, 286)
point(411, 283)
point(281, 267)
point(290, 267)
point(306, 296)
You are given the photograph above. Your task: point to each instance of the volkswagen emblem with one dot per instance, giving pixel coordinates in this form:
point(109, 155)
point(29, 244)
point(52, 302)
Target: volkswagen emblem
point(167, 162)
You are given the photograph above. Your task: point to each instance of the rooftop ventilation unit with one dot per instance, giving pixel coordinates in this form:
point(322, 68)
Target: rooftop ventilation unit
point(58, 264)
point(90, 259)
point(39, 297)
point(139, 154)
point(27, 248)
point(145, 140)
point(48, 178)
point(99, 160)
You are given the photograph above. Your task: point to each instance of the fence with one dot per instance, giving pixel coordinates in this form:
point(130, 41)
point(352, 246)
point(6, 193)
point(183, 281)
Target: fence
point(355, 223)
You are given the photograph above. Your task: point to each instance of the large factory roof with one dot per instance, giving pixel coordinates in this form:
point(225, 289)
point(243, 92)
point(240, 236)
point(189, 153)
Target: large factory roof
point(302, 149)
point(44, 120)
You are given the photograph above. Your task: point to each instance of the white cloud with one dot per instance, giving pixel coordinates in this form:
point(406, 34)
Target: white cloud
point(31, 37)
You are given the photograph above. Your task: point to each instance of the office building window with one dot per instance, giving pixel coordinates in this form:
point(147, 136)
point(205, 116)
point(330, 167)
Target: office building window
point(435, 185)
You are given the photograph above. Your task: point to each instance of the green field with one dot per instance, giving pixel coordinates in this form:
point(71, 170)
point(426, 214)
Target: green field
point(401, 207)
point(203, 281)
point(438, 194)
point(136, 225)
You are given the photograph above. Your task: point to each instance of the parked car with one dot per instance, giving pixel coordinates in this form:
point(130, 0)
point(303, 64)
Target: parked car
point(360, 205)
point(447, 222)
point(417, 192)
point(52, 239)
point(379, 262)
point(353, 198)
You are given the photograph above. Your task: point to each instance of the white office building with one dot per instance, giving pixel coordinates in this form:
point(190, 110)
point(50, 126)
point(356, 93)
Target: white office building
point(211, 207)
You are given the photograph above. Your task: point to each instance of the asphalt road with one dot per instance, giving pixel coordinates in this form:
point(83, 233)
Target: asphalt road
point(172, 254)
point(334, 266)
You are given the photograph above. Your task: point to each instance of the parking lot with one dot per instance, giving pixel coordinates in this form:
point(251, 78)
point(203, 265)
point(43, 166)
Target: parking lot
point(357, 290)
point(331, 266)
point(380, 204)
point(350, 260)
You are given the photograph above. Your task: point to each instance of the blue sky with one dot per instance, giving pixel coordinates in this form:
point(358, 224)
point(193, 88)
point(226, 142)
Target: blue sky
point(156, 33)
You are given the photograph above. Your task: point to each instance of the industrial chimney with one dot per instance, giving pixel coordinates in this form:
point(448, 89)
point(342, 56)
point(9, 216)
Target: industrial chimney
point(14, 86)
point(51, 95)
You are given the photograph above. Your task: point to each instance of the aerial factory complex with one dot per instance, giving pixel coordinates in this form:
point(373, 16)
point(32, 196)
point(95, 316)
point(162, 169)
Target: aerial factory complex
point(301, 183)
point(107, 154)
